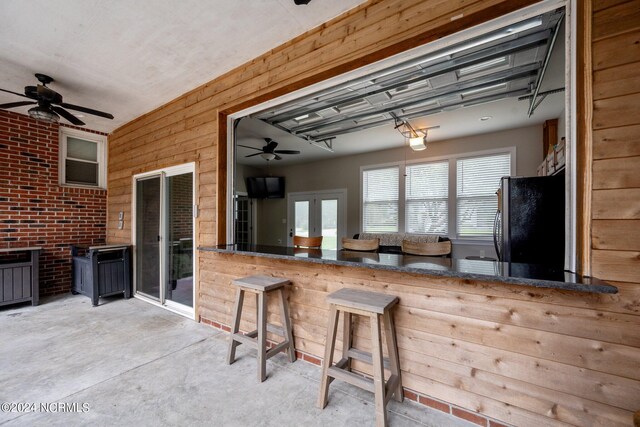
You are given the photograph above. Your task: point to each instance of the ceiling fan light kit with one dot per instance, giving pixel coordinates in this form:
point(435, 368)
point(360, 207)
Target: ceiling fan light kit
point(269, 152)
point(268, 156)
point(49, 104)
point(43, 114)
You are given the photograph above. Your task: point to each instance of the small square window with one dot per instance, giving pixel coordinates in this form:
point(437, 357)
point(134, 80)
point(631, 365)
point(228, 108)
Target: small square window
point(82, 158)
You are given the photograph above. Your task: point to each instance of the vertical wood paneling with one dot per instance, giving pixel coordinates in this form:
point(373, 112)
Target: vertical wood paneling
point(576, 374)
point(616, 148)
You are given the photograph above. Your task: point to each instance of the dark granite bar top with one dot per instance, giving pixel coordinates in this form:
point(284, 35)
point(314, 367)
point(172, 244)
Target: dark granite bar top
point(540, 276)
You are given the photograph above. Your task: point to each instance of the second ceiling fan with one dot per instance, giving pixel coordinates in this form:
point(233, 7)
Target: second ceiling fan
point(269, 152)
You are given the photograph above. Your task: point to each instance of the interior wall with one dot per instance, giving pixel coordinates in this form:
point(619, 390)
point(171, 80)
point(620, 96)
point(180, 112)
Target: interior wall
point(344, 172)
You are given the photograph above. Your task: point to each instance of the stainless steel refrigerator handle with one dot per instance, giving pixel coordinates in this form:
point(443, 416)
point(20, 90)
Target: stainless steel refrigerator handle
point(495, 234)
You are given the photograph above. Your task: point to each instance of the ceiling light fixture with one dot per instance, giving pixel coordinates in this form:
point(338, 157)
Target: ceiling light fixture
point(417, 137)
point(43, 114)
point(418, 143)
point(268, 156)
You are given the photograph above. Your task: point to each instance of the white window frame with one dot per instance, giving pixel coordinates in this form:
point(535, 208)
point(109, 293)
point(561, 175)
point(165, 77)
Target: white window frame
point(403, 201)
point(453, 183)
point(401, 183)
point(100, 140)
point(512, 166)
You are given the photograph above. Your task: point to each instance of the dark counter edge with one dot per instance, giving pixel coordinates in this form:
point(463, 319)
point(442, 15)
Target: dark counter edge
point(549, 284)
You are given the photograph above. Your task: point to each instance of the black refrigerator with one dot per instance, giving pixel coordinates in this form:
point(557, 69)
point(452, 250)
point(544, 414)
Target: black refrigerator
point(530, 221)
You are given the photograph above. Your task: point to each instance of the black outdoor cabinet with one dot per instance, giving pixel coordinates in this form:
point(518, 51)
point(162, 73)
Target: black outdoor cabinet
point(19, 279)
point(102, 271)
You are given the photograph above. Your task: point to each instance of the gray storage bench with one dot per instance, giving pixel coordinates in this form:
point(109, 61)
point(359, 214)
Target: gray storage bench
point(19, 275)
point(102, 271)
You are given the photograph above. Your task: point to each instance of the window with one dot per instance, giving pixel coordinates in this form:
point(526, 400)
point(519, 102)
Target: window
point(478, 178)
point(82, 158)
point(427, 204)
point(380, 200)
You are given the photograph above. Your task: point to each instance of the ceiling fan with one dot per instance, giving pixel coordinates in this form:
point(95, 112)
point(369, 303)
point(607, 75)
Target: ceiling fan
point(49, 103)
point(269, 152)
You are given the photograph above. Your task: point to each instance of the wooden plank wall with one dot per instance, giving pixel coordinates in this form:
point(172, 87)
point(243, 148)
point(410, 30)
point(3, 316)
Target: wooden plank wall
point(526, 356)
point(616, 140)
point(186, 129)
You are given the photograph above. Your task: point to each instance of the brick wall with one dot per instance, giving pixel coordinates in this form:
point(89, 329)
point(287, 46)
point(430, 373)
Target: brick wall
point(181, 199)
point(34, 209)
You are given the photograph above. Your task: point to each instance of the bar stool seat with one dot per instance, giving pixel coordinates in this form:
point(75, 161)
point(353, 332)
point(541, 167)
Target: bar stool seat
point(377, 307)
point(261, 286)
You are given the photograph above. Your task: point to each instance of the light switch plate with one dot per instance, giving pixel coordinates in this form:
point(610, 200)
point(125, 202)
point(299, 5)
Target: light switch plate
point(120, 225)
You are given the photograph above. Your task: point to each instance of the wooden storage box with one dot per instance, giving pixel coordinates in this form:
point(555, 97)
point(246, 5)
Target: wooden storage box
point(19, 275)
point(101, 272)
point(551, 164)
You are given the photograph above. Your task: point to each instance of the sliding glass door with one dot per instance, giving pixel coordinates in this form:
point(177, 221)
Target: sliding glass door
point(164, 228)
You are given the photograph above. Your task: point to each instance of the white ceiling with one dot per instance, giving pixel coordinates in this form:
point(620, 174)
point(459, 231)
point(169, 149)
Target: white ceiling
point(127, 57)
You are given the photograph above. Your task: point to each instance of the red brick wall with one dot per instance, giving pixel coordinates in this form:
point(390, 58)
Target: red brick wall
point(34, 209)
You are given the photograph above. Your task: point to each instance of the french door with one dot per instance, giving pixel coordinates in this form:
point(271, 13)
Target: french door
point(163, 238)
point(321, 213)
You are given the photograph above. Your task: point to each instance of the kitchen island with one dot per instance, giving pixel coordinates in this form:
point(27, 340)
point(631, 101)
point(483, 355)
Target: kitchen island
point(532, 345)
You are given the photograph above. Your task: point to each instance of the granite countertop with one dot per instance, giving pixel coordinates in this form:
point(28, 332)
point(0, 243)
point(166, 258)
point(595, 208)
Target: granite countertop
point(540, 276)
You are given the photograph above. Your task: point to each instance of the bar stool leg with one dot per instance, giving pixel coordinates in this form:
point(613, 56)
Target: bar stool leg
point(286, 325)
point(329, 346)
point(262, 337)
point(347, 338)
point(237, 312)
point(394, 358)
point(378, 371)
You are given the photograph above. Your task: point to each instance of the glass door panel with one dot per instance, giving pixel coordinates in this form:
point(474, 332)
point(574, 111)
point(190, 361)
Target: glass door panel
point(329, 226)
point(178, 248)
point(301, 218)
point(148, 236)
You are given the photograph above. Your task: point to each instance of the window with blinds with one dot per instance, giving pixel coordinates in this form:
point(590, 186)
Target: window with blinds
point(380, 200)
point(427, 204)
point(478, 179)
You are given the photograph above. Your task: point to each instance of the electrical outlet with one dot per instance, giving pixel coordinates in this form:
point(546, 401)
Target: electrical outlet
point(481, 253)
point(120, 225)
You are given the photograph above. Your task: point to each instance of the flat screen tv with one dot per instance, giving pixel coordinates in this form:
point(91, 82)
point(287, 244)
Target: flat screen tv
point(266, 187)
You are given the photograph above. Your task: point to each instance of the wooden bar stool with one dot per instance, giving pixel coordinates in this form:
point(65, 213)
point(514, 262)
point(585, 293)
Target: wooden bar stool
point(261, 286)
point(375, 306)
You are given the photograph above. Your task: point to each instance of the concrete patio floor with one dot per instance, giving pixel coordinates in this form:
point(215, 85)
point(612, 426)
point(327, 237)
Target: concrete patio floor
point(136, 364)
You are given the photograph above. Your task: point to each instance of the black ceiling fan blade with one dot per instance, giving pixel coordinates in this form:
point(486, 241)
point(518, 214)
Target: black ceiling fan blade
point(15, 93)
point(253, 148)
point(251, 155)
point(67, 115)
point(286, 151)
point(17, 104)
point(87, 110)
point(278, 157)
point(271, 145)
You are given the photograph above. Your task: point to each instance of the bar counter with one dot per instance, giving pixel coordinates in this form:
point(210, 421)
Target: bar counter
point(540, 276)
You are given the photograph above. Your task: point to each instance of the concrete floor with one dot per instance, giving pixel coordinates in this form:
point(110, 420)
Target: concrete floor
point(137, 364)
